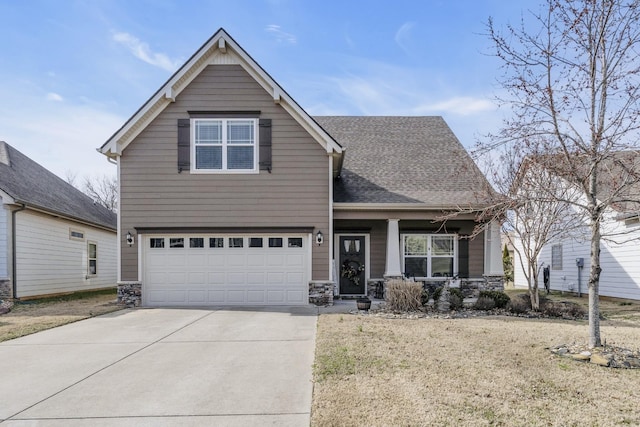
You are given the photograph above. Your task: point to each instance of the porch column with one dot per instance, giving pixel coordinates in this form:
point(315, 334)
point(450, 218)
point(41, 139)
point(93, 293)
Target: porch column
point(392, 266)
point(492, 250)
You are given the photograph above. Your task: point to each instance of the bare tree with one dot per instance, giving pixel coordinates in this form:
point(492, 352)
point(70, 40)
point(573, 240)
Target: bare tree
point(571, 77)
point(103, 190)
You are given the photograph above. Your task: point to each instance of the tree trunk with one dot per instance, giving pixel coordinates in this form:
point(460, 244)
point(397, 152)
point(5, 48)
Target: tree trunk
point(533, 287)
point(594, 285)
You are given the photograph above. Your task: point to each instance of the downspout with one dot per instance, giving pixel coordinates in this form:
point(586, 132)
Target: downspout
point(14, 262)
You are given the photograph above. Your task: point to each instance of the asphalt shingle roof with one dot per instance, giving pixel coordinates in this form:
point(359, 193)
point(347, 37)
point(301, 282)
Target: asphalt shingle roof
point(29, 183)
point(393, 159)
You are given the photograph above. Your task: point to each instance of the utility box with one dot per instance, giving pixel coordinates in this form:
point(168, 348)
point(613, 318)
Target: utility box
point(580, 262)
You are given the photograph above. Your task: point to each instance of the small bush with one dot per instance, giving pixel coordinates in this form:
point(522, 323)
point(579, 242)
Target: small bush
point(455, 299)
point(499, 298)
point(403, 296)
point(424, 297)
point(436, 295)
point(562, 309)
point(519, 305)
point(485, 304)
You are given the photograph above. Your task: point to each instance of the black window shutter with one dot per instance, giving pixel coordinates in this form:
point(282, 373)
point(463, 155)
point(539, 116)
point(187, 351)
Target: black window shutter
point(463, 258)
point(265, 144)
point(184, 145)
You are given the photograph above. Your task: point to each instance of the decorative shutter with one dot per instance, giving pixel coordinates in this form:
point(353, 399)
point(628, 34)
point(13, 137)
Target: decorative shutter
point(463, 258)
point(265, 144)
point(184, 144)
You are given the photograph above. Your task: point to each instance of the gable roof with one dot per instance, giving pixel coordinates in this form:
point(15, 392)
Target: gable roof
point(404, 160)
point(221, 48)
point(618, 176)
point(28, 183)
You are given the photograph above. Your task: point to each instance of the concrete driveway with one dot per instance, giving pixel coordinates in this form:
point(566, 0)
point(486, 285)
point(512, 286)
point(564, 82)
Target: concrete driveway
point(157, 367)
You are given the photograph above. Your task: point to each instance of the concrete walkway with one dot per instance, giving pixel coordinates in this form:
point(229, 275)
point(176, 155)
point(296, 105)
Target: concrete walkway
point(164, 367)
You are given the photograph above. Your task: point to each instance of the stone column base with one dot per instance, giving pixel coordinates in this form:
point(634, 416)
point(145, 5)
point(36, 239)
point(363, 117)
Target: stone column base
point(130, 293)
point(321, 292)
point(494, 283)
point(6, 289)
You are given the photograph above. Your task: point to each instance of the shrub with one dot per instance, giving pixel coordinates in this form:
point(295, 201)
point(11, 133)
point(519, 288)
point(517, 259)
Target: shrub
point(455, 299)
point(499, 298)
point(436, 294)
point(403, 296)
point(424, 297)
point(519, 305)
point(485, 304)
point(562, 309)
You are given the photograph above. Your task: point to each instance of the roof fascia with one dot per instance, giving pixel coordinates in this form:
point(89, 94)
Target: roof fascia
point(220, 43)
point(338, 206)
point(64, 216)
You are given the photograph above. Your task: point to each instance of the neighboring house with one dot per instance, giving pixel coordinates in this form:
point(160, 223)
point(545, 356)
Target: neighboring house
point(568, 258)
point(230, 193)
point(53, 238)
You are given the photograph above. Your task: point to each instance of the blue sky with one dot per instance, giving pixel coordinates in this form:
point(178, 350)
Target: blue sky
point(73, 71)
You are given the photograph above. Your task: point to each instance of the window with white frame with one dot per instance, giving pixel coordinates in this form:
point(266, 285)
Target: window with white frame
point(556, 257)
point(92, 264)
point(224, 145)
point(429, 255)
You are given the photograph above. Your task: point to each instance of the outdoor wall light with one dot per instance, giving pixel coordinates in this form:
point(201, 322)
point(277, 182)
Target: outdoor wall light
point(129, 238)
point(319, 238)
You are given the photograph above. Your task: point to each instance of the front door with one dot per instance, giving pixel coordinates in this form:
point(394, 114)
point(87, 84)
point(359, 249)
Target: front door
point(352, 265)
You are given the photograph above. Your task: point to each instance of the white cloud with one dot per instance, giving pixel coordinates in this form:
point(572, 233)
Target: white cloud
point(52, 96)
point(60, 139)
point(280, 35)
point(403, 36)
point(142, 51)
point(462, 105)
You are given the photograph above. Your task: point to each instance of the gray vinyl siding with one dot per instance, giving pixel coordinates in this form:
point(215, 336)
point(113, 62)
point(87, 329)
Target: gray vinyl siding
point(294, 194)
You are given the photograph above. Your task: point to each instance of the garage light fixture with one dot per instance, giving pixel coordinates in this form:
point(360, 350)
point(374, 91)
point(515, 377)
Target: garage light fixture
point(129, 238)
point(319, 238)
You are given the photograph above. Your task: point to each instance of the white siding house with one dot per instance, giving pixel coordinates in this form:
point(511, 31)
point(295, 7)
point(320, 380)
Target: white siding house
point(568, 258)
point(53, 238)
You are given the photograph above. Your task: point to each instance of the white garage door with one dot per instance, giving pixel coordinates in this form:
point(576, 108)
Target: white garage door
point(201, 270)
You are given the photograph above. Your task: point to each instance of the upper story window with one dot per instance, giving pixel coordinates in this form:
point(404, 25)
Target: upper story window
point(224, 145)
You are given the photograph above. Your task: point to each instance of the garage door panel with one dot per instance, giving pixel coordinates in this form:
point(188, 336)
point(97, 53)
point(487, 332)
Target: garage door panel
point(217, 297)
point(294, 277)
point(194, 260)
point(235, 296)
point(217, 278)
point(235, 279)
point(216, 260)
point(222, 275)
point(255, 278)
point(235, 260)
point(175, 296)
point(196, 278)
point(275, 277)
point(176, 277)
point(254, 296)
point(275, 260)
point(296, 260)
point(197, 296)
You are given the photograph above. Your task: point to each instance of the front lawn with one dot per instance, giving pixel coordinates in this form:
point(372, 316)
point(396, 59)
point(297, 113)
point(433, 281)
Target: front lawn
point(495, 370)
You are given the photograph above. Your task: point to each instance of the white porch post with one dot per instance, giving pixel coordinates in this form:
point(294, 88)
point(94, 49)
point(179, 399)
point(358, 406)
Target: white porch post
point(492, 250)
point(392, 267)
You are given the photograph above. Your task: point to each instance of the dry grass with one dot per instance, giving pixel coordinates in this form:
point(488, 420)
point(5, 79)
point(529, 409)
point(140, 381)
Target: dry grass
point(478, 371)
point(32, 316)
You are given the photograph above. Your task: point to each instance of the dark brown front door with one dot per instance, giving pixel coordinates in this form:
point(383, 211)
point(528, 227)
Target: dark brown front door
point(352, 265)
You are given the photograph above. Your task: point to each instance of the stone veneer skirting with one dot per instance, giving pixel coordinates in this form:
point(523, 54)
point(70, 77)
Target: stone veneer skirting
point(321, 292)
point(6, 290)
point(130, 294)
